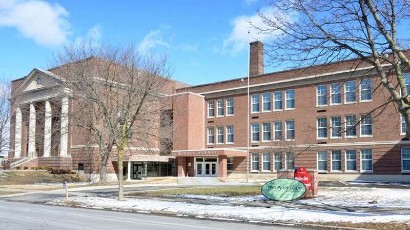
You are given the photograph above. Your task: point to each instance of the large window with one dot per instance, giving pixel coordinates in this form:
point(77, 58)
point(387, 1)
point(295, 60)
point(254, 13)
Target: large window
point(290, 160)
point(336, 160)
point(266, 102)
point(255, 132)
point(322, 161)
point(290, 99)
point(350, 125)
point(229, 134)
point(366, 89)
point(405, 159)
point(255, 162)
point(322, 127)
point(278, 130)
point(229, 106)
point(211, 135)
point(290, 130)
point(321, 95)
point(336, 129)
point(366, 160)
point(278, 100)
point(335, 95)
point(351, 160)
point(266, 132)
point(278, 161)
point(350, 91)
point(220, 135)
point(266, 162)
point(366, 125)
point(220, 107)
point(211, 108)
point(255, 103)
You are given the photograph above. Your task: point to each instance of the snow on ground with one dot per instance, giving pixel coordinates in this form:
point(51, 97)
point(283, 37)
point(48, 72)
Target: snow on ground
point(398, 199)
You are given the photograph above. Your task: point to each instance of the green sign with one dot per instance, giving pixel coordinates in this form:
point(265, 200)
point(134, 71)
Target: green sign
point(283, 189)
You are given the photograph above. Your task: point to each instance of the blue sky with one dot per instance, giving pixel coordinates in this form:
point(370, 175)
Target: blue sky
point(205, 40)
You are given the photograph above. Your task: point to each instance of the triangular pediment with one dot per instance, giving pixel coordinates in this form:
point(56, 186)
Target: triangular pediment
point(39, 80)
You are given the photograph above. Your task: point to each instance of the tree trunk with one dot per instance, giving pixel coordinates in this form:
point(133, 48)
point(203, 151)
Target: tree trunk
point(103, 167)
point(120, 173)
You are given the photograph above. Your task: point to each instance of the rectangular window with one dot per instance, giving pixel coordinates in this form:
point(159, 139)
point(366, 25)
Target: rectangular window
point(290, 160)
point(278, 100)
point(336, 128)
point(266, 132)
point(366, 125)
point(278, 130)
point(255, 103)
point(336, 160)
point(350, 92)
point(229, 163)
point(351, 160)
point(290, 99)
point(366, 89)
point(266, 102)
point(351, 126)
point(321, 95)
point(322, 161)
point(290, 130)
point(229, 134)
point(255, 132)
point(211, 135)
point(278, 161)
point(366, 160)
point(322, 127)
point(335, 95)
point(405, 159)
point(220, 107)
point(266, 161)
point(255, 162)
point(211, 108)
point(220, 135)
point(403, 127)
point(406, 77)
point(229, 106)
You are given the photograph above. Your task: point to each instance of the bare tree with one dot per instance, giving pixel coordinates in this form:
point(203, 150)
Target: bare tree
point(306, 32)
point(117, 93)
point(5, 90)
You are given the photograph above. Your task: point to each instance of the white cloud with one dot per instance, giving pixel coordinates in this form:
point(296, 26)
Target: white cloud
point(154, 39)
point(46, 24)
point(93, 37)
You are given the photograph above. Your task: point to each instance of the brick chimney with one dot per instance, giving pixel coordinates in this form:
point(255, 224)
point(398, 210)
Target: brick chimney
point(256, 58)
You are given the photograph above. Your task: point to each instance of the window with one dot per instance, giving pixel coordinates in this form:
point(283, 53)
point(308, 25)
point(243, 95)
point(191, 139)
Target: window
point(322, 161)
point(367, 160)
point(290, 160)
point(366, 90)
point(322, 127)
point(266, 132)
point(211, 108)
point(290, 99)
point(350, 160)
point(350, 125)
point(366, 125)
point(211, 135)
point(350, 91)
point(229, 163)
point(278, 161)
point(321, 95)
point(266, 102)
point(255, 132)
point(229, 106)
point(405, 159)
point(220, 107)
point(229, 134)
point(255, 162)
point(278, 130)
point(265, 161)
point(335, 96)
point(255, 103)
point(407, 82)
point(290, 130)
point(403, 127)
point(336, 128)
point(336, 160)
point(278, 100)
point(220, 135)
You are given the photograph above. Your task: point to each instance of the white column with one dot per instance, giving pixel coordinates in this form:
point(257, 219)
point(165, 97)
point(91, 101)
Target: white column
point(129, 170)
point(64, 128)
point(47, 130)
point(17, 134)
point(32, 132)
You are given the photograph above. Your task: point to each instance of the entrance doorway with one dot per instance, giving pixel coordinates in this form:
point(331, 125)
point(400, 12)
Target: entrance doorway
point(137, 170)
point(206, 167)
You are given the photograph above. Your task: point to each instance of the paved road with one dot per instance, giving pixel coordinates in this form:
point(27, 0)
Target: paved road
point(21, 216)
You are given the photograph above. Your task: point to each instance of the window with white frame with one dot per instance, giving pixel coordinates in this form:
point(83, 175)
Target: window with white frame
point(336, 127)
point(407, 81)
point(351, 160)
point(290, 99)
point(255, 103)
point(366, 160)
point(336, 160)
point(266, 132)
point(403, 127)
point(211, 135)
point(322, 161)
point(266, 162)
point(229, 106)
point(255, 132)
point(266, 102)
point(366, 89)
point(255, 162)
point(211, 108)
point(335, 95)
point(290, 130)
point(321, 95)
point(350, 126)
point(405, 159)
point(229, 163)
point(322, 128)
point(366, 125)
point(290, 160)
point(220, 107)
point(278, 100)
point(229, 134)
point(278, 130)
point(278, 161)
point(220, 135)
point(350, 91)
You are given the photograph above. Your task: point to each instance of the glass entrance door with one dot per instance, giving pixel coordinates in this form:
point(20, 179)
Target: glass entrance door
point(206, 166)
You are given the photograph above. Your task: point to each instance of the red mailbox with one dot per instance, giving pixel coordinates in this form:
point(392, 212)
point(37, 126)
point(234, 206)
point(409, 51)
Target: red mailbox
point(302, 175)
